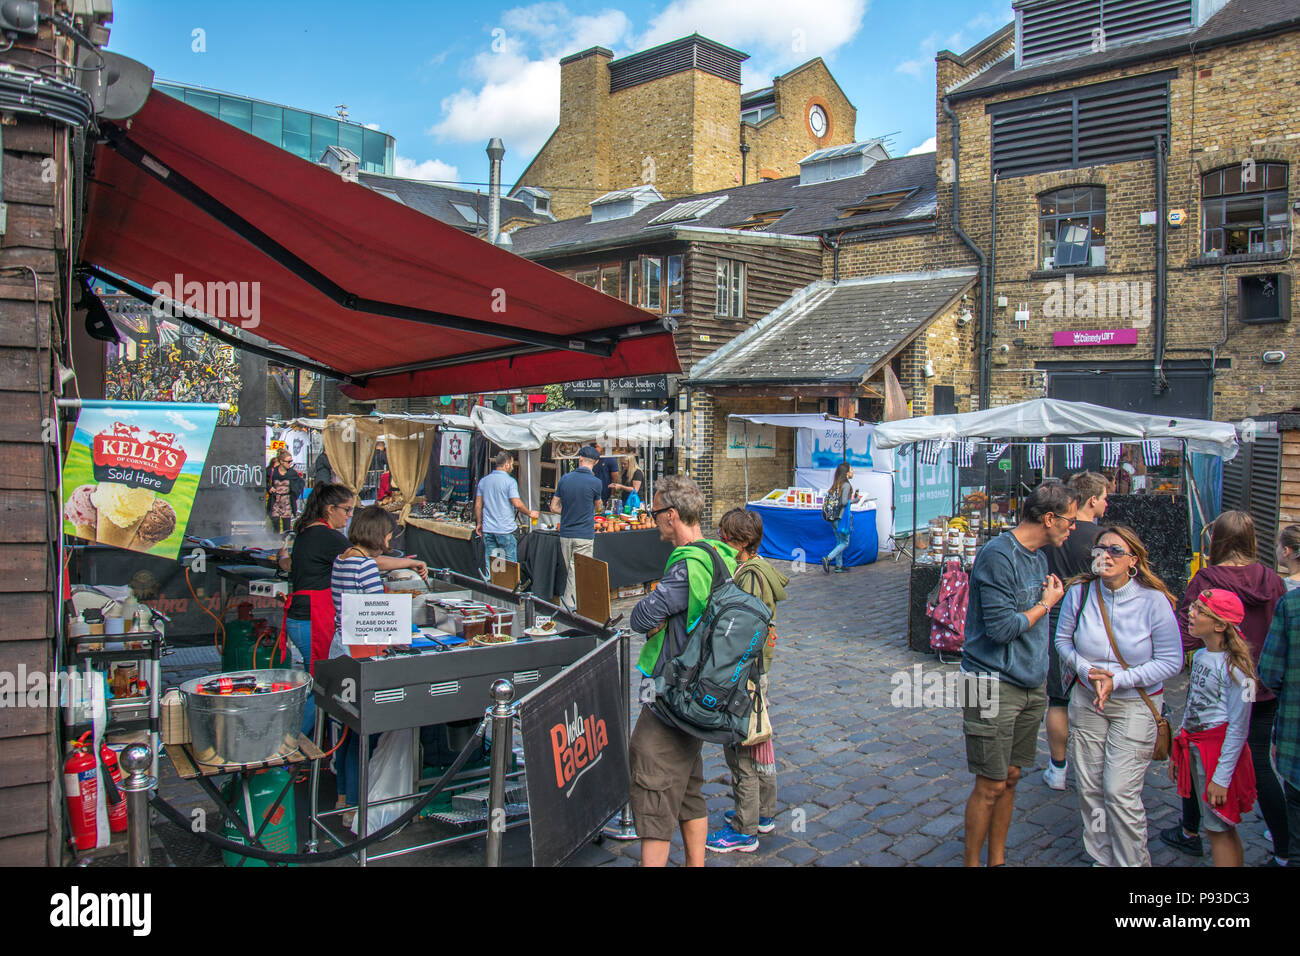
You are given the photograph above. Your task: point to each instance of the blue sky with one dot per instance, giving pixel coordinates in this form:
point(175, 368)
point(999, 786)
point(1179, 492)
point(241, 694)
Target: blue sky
point(445, 77)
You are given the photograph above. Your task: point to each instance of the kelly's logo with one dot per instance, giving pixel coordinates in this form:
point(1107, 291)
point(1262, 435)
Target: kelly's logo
point(577, 744)
point(122, 455)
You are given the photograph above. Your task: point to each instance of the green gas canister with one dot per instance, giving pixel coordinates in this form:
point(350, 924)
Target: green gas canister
point(253, 795)
point(250, 643)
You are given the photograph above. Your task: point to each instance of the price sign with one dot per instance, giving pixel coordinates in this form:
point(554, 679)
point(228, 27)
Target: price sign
point(1004, 464)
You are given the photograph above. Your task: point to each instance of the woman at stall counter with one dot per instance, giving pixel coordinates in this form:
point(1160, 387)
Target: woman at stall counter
point(318, 540)
point(283, 488)
point(1120, 611)
point(630, 471)
point(841, 488)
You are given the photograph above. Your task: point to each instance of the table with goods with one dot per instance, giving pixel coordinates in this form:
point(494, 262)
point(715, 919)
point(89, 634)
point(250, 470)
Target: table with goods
point(794, 528)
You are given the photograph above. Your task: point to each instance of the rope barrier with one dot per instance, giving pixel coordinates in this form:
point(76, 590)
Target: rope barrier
point(257, 853)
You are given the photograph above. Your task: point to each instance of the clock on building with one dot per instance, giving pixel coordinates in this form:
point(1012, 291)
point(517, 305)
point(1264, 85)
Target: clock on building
point(817, 121)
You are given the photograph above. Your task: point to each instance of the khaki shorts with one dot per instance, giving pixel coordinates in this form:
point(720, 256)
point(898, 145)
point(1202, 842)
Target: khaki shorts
point(1007, 738)
point(667, 774)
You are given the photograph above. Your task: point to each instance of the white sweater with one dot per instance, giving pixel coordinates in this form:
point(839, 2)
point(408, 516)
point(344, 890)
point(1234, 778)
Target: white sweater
point(1145, 630)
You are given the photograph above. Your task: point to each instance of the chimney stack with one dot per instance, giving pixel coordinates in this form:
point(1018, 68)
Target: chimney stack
point(496, 150)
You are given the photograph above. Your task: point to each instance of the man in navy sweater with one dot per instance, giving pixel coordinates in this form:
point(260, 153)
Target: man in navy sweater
point(1011, 595)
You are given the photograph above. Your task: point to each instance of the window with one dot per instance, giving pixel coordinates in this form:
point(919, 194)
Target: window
point(609, 276)
point(731, 288)
point(588, 277)
point(1072, 227)
point(877, 202)
point(1244, 209)
point(469, 214)
point(674, 285)
point(651, 283)
point(760, 221)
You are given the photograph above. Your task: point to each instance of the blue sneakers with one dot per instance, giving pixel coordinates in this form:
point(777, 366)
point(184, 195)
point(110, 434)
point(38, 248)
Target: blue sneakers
point(765, 824)
point(727, 839)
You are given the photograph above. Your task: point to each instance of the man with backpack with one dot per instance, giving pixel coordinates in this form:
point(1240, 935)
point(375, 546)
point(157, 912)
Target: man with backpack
point(666, 764)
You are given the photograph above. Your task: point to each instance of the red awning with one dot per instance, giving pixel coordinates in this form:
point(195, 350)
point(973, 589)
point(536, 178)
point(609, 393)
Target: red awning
point(384, 295)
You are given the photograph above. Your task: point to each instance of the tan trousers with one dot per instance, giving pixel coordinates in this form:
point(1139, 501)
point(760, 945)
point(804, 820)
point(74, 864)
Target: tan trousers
point(1110, 752)
point(568, 548)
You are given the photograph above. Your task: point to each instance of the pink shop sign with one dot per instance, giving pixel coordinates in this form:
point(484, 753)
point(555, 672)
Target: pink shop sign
point(1096, 337)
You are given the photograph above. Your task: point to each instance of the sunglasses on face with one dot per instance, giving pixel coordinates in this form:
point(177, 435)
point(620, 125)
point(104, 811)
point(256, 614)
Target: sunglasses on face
point(1114, 550)
point(658, 511)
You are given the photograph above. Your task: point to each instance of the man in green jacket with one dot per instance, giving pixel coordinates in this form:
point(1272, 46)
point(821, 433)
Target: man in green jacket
point(667, 768)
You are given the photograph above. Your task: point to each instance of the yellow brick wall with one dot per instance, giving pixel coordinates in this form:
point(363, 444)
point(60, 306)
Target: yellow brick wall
point(780, 141)
point(727, 488)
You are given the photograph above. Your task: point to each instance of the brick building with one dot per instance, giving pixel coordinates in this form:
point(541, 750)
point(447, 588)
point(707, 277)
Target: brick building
point(1126, 173)
point(674, 117)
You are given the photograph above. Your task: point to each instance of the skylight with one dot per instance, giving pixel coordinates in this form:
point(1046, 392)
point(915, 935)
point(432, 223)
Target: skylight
point(469, 214)
point(686, 211)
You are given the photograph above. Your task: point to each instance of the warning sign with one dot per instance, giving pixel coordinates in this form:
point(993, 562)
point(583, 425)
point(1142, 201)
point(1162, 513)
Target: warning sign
point(376, 619)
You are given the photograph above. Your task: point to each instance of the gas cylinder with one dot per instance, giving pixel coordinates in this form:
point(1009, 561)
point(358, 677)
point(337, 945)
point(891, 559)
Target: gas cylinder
point(253, 794)
point(81, 787)
point(116, 807)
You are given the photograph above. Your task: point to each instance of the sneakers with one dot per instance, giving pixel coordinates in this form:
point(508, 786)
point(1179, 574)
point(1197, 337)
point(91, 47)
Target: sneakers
point(826, 564)
point(1054, 777)
point(727, 839)
point(1176, 838)
point(765, 824)
point(840, 569)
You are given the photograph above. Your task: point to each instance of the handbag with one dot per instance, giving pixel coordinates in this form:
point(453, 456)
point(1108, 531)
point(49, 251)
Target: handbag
point(760, 724)
point(1164, 735)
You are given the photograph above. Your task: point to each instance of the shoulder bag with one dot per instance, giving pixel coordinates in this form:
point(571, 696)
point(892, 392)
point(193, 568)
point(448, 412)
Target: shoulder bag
point(1164, 735)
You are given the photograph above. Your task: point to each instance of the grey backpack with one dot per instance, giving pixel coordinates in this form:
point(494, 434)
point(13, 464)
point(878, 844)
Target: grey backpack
point(705, 688)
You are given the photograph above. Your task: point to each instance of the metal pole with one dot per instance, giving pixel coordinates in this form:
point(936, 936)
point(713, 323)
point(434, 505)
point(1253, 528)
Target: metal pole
point(624, 829)
point(502, 713)
point(747, 461)
point(136, 761)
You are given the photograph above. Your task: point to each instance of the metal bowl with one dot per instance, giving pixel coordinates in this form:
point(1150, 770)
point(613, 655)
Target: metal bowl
point(246, 728)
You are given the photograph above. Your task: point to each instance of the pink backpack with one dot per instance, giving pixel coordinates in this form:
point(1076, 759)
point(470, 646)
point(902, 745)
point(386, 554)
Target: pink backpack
point(948, 610)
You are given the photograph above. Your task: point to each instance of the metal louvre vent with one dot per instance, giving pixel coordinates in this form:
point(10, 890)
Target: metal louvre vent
point(1252, 483)
point(526, 677)
point(445, 688)
point(391, 696)
point(1065, 28)
point(677, 57)
point(1090, 126)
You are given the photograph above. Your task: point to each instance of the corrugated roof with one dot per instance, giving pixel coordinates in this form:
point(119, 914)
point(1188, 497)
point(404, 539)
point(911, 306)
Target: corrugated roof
point(436, 200)
point(814, 208)
point(835, 332)
point(1240, 18)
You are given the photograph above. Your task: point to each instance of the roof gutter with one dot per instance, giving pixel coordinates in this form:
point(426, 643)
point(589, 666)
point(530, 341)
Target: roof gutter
point(670, 234)
point(986, 280)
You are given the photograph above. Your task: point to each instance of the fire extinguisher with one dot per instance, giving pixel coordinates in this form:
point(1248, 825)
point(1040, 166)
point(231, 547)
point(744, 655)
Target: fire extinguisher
point(81, 786)
point(113, 791)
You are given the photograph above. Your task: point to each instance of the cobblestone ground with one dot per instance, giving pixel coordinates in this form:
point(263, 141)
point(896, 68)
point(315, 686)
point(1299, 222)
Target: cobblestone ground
point(861, 782)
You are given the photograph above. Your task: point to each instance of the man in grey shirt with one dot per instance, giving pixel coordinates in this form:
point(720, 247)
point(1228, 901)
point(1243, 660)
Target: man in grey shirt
point(495, 505)
point(1011, 594)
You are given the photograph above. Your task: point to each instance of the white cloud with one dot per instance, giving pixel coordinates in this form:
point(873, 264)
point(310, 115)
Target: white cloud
point(430, 170)
point(971, 32)
point(180, 421)
point(777, 34)
point(929, 146)
point(516, 91)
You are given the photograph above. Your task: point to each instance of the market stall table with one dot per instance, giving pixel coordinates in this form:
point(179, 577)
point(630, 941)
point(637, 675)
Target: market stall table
point(793, 532)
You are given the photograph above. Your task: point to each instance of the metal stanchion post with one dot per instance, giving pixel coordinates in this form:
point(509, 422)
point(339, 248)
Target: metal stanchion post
point(318, 738)
point(622, 828)
point(136, 761)
point(502, 712)
point(530, 611)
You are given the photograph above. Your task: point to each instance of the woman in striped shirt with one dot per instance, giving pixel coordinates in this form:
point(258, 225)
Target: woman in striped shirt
point(355, 572)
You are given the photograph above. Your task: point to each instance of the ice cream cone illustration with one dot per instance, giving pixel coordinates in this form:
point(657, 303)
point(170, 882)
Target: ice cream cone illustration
point(121, 509)
point(158, 524)
point(80, 511)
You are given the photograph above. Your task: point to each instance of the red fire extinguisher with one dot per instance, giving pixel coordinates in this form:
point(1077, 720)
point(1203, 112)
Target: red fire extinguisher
point(116, 798)
point(81, 785)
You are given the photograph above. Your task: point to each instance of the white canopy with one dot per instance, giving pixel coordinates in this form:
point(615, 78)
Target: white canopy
point(1047, 417)
point(802, 421)
point(625, 427)
point(446, 421)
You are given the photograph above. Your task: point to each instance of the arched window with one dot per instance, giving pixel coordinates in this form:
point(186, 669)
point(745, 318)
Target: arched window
point(1072, 227)
point(1244, 209)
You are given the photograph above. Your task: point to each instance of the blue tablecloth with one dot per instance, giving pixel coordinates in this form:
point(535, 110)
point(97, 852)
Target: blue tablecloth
point(787, 531)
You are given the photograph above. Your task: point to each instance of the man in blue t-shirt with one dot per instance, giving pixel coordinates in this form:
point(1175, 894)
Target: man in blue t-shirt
point(495, 505)
point(577, 500)
point(604, 469)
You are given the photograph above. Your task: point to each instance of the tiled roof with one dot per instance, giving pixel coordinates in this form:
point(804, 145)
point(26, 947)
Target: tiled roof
point(1239, 19)
point(813, 208)
point(436, 199)
point(834, 332)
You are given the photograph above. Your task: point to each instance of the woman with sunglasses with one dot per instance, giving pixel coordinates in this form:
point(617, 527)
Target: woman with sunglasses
point(1234, 567)
point(1118, 636)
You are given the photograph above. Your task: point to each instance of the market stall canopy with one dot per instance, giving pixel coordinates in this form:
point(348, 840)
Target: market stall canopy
point(395, 302)
point(835, 333)
point(625, 427)
point(1046, 417)
point(803, 421)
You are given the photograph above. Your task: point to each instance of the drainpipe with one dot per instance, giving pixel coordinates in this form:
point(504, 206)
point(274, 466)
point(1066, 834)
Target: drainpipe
point(1158, 382)
point(986, 279)
point(496, 150)
point(986, 330)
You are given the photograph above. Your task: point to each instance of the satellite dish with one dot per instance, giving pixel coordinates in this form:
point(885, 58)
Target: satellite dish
point(118, 85)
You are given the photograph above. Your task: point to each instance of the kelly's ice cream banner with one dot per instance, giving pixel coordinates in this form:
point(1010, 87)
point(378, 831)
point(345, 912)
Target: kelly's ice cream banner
point(132, 470)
